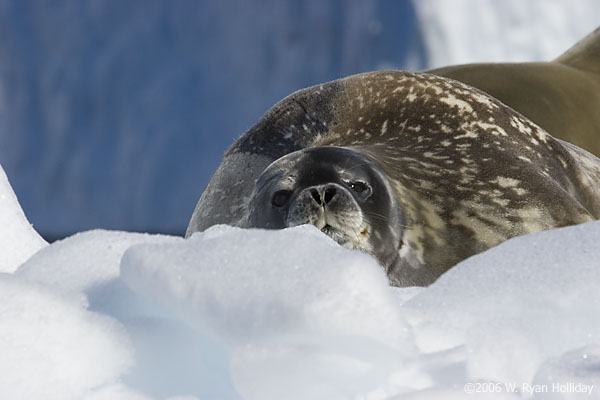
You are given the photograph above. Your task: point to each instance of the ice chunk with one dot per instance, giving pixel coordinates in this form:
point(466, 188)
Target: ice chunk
point(515, 305)
point(85, 260)
point(303, 317)
point(245, 284)
point(18, 239)
point(55, 349)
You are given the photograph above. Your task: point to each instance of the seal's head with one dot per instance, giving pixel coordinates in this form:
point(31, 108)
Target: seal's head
point(337, 189)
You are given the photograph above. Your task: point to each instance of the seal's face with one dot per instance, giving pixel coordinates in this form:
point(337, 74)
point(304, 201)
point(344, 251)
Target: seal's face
point(339, 190)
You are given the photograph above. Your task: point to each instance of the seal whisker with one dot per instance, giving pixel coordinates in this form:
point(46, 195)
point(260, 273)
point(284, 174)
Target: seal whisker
point(376, 215)
point(358, 166)
point(384, 218)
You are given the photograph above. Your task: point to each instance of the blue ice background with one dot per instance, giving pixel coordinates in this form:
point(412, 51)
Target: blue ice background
point(115, 114)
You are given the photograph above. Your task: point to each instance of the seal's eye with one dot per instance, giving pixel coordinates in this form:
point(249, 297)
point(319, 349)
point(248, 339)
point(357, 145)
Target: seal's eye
point(358, 187)
point(280, 198)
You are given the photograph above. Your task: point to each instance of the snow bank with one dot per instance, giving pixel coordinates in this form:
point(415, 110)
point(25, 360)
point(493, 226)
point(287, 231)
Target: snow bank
point(250, 314)
point(254, 314)
point(18, 239)
point(513, 307)
point(55, 349)
point(248, 282)
point(302, 316)
point(86, 262)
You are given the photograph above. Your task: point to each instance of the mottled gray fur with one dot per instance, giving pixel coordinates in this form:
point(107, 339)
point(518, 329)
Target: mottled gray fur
point(467, 171)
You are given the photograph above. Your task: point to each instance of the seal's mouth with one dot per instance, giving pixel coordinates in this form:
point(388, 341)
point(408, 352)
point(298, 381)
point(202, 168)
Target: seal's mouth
point(334, 233)
point(339, 236)
point(330, 230)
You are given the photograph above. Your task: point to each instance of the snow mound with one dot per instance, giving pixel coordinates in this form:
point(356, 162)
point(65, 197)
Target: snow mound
point(55, 349)
point(244, 283)
point(18, 239)
point(254, 314)
point(65, 267)
point(516, 305)
point(292, 306)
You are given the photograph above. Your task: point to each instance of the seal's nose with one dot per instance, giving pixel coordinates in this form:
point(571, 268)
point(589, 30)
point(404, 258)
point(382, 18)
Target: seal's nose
point(329, 194)
point(322, 195)
point(315, 195)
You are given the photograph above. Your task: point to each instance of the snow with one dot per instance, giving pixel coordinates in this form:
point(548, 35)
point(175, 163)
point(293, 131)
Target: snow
point(577, 367)
point(528, 299)
point(252, 314)
point(240, 283)
point(294, 321)
point(68, 269)
point(54, 348)
point(15, 229)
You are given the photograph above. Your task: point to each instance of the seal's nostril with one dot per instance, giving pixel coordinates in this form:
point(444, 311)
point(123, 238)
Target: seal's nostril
point(329, 193)
point(315, 195)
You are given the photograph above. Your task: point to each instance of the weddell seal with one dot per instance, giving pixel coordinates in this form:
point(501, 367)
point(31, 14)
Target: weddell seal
point(418, 170)
point(561, 96)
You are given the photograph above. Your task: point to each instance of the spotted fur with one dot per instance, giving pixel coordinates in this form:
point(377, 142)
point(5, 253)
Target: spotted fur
point(468, 172)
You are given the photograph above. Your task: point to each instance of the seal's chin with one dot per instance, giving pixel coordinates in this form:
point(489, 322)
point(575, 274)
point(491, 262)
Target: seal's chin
point(347, 237)
point(336, 234)
point(343, 235)
point(339, 236)
point(327, 229)
point(328, 224)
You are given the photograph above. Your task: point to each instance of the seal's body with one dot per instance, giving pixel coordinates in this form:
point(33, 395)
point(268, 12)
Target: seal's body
point(561, 96)
point(418, 170)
